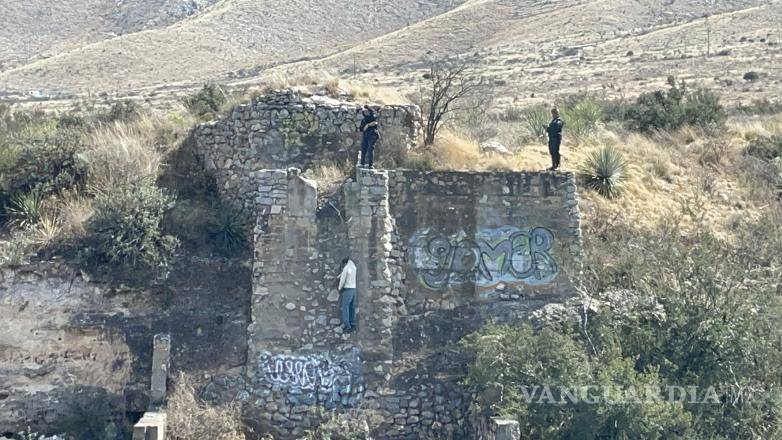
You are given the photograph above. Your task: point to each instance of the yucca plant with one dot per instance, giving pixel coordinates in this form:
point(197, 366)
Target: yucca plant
point(605, 171)
point(535, 119)
point(26, 209)
point(582, 117)
point(228, 232)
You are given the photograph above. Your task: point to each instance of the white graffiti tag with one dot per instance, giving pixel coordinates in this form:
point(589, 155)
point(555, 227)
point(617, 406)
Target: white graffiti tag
point(507, 254)
point(308, 373)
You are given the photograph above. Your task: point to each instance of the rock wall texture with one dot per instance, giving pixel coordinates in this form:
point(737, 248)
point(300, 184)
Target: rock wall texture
point(438, 255)
point(286, 129)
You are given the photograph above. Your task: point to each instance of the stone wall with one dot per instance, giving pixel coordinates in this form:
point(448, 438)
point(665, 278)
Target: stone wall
point(287, 129)
point(438, 254)
point(486, 236)
point(523, 227)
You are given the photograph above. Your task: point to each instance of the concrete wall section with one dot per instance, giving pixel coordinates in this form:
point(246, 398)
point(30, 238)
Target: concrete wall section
point(482, 236)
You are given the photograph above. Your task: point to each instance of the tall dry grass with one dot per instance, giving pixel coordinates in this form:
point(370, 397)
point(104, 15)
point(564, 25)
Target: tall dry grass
point(189, 417)
point(666, 171)
point(123, 153)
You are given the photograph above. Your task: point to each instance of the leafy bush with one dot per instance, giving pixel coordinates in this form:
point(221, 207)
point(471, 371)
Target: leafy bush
point(760, 107)
point(92, 417)
point(695, 310)
point(767, 148)
point(121, 111)
point(751, 76)
point(342, 427)
point(605, 171)
point(674, 108)
point(207, 101)
point(126, 227)
point(42, 157)
point(511, 364)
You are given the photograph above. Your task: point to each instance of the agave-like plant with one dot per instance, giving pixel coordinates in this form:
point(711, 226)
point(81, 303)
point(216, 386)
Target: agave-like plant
point(605, 171)
point(534, 120)
point(26, 209)
point(228, 232)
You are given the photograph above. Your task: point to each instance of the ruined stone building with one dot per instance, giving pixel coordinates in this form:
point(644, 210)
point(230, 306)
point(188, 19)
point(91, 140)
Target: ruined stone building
point(438, 255)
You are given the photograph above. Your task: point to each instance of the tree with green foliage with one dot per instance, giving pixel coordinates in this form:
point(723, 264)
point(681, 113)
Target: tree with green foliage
point(714, 326)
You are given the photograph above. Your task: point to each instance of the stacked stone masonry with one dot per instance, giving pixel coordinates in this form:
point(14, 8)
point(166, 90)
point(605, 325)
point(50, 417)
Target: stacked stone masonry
point(438, 255)
point(287, 129)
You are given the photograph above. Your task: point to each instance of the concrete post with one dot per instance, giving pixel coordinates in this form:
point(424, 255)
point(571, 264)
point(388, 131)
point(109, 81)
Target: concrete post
point(161, 353)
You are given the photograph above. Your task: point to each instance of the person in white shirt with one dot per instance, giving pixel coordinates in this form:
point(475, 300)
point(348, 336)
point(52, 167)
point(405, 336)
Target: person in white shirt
point(347, 295)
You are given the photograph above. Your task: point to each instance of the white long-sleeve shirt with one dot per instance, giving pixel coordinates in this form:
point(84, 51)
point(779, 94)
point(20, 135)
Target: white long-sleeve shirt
point(347, 279)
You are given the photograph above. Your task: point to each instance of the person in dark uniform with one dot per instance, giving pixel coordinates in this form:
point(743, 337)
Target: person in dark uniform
point(369, 138)
point(554, 130)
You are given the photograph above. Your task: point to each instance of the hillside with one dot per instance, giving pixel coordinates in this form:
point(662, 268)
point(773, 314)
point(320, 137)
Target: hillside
point(616, 47)
point(532, 49)
point(38, 29)
point(234, 35)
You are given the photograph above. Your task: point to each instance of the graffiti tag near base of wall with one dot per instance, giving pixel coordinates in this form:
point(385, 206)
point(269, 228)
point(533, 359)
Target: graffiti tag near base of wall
point(498, 255)
point(310, 378)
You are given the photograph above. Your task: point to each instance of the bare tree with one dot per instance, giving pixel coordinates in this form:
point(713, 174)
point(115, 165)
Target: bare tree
point(450, 83)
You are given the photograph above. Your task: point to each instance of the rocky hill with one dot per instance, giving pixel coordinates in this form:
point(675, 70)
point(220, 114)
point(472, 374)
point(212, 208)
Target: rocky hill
point(38, 29)
point(614, 46)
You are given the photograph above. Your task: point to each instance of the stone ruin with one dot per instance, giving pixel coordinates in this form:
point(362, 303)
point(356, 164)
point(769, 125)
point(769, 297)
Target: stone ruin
point(438, 254)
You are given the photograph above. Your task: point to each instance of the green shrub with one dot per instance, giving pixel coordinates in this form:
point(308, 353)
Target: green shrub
point(510, 367)
point(766, 148)
point(422, 161)
point(512, 114)
point(42, 157)
point(751, 76)
point(17, 249)
point(207, 101)
point(605, 171)
point(121, 111)
point(760, 107)
point(669, 110)
point(126, 227)
point(702, 109)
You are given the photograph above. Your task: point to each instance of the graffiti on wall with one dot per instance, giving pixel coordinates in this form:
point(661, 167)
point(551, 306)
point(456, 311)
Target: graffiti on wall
point(494, 255)
point(330, 380)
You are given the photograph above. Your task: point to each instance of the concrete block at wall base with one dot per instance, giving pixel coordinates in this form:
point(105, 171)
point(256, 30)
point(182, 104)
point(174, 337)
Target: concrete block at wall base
point(505, 429)
point(152, 426)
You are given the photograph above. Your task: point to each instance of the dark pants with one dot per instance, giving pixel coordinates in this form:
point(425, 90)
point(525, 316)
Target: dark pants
point(347, 308)
point(368, 148)
point(553, 149)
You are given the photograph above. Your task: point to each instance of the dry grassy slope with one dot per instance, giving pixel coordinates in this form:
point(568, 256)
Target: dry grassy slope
point(34, 29)
point(522, 46)
point(232, 35)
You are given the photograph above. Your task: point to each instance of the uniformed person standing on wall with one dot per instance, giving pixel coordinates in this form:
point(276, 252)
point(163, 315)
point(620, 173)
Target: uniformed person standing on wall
point(554, 130)
point(370, 136)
